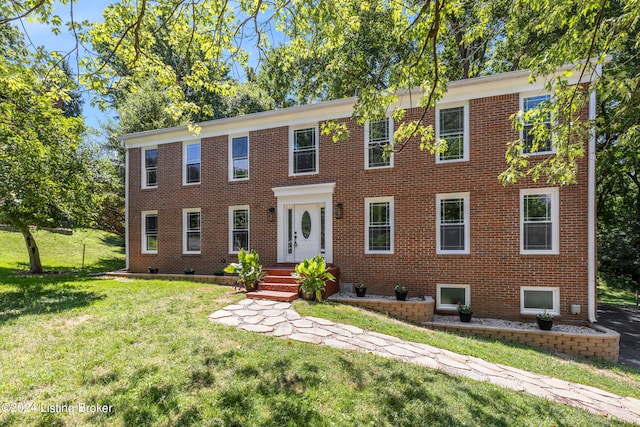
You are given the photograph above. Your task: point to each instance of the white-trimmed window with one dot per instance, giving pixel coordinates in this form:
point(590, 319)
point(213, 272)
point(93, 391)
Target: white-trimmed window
point(150, 232)
point(191, 163)
point(538, 299)
point(303, 150)
point(191, 226)
point(379, 229)
point(448, 297)
point(535, 103)
point(239, 158)
point(150, 167)
point(452, 219)
point(378, 135)
point(452, 125)
point(539, 221)
point(238, 228)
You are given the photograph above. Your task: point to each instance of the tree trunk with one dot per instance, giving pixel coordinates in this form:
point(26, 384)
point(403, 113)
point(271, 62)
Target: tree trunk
point(34, 253)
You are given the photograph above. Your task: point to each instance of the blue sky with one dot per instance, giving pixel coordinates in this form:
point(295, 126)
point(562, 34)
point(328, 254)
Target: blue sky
point(38, 34)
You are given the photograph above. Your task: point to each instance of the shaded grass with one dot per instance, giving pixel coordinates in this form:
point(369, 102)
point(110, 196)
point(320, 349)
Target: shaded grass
point(611, 292)
point(146, 349)
point(613, 377)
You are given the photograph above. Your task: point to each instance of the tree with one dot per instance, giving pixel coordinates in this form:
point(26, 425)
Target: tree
point(46, 175)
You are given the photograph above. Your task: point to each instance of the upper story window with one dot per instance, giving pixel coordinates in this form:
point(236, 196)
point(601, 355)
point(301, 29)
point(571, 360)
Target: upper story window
point(379, 228)
point(452, 235)
point(452, 125)
point(191, 156)
point(543, 145)
point(150, 232)
point(191, 226)
point(303, 150)
point(539, 221)
point(239, 158)
point(238, 228)
point(377, 136)
point(150, 167)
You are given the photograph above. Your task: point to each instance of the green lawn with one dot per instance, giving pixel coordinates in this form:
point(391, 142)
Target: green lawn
point(146, 349)
point(612, 293)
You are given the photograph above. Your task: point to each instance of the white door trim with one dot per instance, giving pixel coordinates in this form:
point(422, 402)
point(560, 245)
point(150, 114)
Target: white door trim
point(305, 194)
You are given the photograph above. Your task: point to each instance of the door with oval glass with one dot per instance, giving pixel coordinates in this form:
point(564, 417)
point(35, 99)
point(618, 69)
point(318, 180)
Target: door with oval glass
point(305, 231)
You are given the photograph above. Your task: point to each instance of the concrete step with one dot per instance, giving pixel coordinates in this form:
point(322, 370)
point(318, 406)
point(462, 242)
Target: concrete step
point(273, 295)
point(281, 287)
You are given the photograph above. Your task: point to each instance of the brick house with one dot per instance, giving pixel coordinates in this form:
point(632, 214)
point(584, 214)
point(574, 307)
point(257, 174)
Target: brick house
point(443, 225)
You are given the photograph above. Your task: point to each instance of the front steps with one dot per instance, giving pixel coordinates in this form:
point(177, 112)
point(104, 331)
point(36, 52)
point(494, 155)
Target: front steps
point(279, 285)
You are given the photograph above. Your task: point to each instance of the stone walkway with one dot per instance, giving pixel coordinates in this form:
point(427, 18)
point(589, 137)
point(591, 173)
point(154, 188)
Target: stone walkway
point(280, 320)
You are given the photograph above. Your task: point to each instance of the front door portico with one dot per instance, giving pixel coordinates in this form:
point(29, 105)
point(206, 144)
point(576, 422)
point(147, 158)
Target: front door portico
point(305, 223)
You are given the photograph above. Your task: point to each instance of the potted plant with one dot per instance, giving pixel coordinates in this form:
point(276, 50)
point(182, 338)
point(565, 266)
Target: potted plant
point(401, 292)
point(545, 321)
point(311, 275)
point(152, 270)
point(189, 270)
point(465, 312)
point(248, 269)
point(361, 289)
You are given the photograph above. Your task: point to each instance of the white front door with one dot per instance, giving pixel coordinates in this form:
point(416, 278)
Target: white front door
point(305, 229)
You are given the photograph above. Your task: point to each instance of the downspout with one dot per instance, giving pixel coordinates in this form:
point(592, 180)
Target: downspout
point(126, 204)
point(592, 286)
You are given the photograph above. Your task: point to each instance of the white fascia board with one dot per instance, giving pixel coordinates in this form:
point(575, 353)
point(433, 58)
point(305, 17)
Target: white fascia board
point(457, 91)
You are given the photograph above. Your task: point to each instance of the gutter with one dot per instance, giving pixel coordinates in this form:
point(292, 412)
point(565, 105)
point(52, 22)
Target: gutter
point(591, 232)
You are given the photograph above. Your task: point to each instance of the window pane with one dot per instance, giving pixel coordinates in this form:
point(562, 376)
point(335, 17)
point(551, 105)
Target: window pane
point(304, 139)
point(193, 153)
point(452, 121)
point(193, 241)
point(453, 296)
point(304, 162)
point(537, 207)
point(537, 236)
point(241, 168)
point(377, 157)
point(240, 147)
point(455, 148)
point(380, 238)
point(193, 173)
point(152, 243)
point(542, 300)
point(379, 213)
point(452, 211)
point(452, 237)
point(151, 158)
point(240, 219)
point(151, 223)
point(527, 133)
point(152, 177)
point(240, 240)
point(194, 221)
point(379, 131)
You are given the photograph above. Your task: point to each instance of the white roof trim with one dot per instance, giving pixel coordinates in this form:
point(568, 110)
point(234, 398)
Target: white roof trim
point(461, 90)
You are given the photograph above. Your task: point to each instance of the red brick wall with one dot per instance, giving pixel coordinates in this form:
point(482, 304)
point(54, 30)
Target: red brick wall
point(494, 269)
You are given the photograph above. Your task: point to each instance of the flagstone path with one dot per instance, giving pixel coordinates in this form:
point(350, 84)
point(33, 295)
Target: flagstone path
point(280, 320)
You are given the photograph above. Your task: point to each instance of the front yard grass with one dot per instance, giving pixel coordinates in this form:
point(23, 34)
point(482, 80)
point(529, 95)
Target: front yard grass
point(146, 349)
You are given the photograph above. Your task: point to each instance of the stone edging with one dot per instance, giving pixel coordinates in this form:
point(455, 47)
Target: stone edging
point(605, 345)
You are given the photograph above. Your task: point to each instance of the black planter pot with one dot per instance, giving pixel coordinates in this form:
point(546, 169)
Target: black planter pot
point(465, 317)
point(189, 272)
point(545, 325)
point(218, 273)
point(360, 292)
point(401, 296)
point(252, 286)
point(153, 270)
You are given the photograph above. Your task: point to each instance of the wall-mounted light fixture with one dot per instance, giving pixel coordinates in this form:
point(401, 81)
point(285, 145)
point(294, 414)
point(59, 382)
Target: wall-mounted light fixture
point(271, 214)
point(339, 210)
